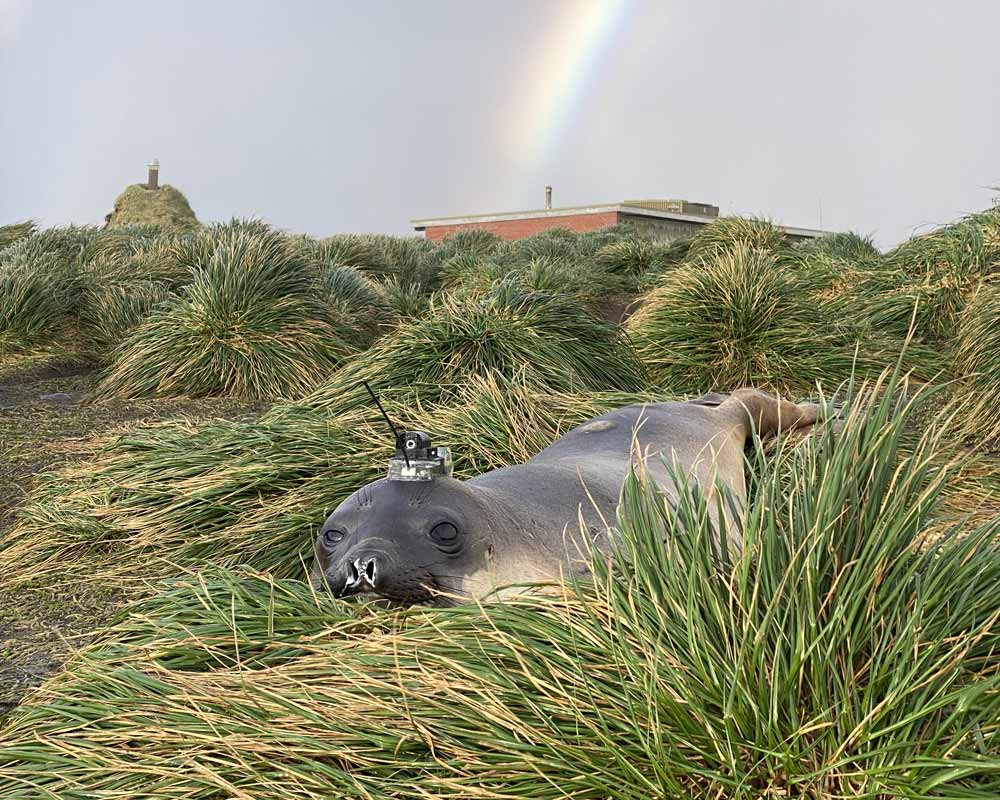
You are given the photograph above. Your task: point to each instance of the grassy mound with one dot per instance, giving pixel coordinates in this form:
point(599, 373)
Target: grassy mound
point(164, 206)
point(730, 234)
point(740, 319)
point(586, 281)
point(361, 306)
point(593, 268)
point(824, 661)
point(38, 293)
point(31, 309)
point(248, 325)
point(411, 260)
point(113, 311)
point(847, 246)
point(504, 331)
point(937, 273)
point(977, 359)
point(640, 258)
point(11, 234)
point(126, 273)
point(476, 242)
point(85, 286)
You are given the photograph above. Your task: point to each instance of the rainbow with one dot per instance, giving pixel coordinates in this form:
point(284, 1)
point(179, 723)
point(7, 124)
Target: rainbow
point(569, 59)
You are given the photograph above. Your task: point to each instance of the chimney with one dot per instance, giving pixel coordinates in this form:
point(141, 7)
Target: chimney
point(154, 175)
point(548, 197)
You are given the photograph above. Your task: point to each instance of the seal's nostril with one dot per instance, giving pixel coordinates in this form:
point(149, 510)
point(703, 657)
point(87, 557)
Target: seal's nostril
point(361, 572)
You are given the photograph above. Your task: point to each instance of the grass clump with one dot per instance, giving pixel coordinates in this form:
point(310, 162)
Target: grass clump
point(360, 304)
point(739, 319)
point(85, 285)
point(68, 244)
point(846, 246)
point(977, 360)
point(248, 325)
point(504, 331)
point(164, 206)
point(112, 311)
point(585, 281)
point(937, 273)
point(38, 293)
point(832, 657)
point(127, 272)
point(732, 234)
point(598, 268)
point(476, 242)
point(637, 256)
point(410, 260)
point(11, 234)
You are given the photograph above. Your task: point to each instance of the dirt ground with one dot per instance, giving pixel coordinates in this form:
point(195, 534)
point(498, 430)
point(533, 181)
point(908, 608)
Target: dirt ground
point(46, 421)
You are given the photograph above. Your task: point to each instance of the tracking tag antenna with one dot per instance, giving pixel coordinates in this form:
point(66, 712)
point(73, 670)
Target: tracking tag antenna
point(395, 433)
point(416, 458)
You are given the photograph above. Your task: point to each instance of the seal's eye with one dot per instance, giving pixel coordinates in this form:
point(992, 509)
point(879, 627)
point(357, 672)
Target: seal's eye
point(445, 534)
point(332, 537)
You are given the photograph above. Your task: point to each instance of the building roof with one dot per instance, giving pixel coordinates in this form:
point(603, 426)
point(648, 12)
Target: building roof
point(571, 211)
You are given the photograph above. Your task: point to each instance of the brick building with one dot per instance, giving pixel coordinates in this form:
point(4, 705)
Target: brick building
point(660, 219)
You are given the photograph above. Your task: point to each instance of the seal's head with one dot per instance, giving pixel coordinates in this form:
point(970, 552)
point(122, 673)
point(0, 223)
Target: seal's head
point(408, 541)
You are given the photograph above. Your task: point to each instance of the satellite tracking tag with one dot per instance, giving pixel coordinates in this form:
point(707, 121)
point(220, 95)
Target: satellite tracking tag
point(417, 460)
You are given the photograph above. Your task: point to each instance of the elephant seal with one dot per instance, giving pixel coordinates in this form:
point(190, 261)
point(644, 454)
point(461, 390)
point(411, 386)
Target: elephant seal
point(410, 540)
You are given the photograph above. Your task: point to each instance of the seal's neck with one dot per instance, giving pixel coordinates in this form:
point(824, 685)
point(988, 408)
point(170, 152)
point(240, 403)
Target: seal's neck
point(521, 549)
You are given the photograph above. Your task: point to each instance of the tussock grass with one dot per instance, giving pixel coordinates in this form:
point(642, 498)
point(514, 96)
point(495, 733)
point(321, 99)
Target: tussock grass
point(631, 256)
point(346, 250)
point(970, 246)
point(406, 302)
point(474, 242)
point(126, 273)
point(592, 267)
point(68, 244)
point(894, 301)
point(367, 284)
point(411, 261)
point(362, 307)
point(640, 258)
point(740, 319)
point(977, 359)
point(38, 292)
point(833, 657)
point(834, 265)
point(562, 243)
point(10, 234)
point(938, 272)
point(731, 234)
point(586, 281)
point(846, 246)
point(505, 331)
point(248, 325)
point(121, 255)
point(473, 272)
point(111, 312)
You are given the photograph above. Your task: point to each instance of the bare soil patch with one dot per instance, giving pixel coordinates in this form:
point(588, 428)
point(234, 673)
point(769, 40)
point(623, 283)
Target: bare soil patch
point(47, 421)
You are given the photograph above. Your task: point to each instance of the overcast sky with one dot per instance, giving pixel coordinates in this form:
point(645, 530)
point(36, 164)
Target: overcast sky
point(881, 116)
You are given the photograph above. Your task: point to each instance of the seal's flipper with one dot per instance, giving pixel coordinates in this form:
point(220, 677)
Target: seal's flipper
point(766, 414)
